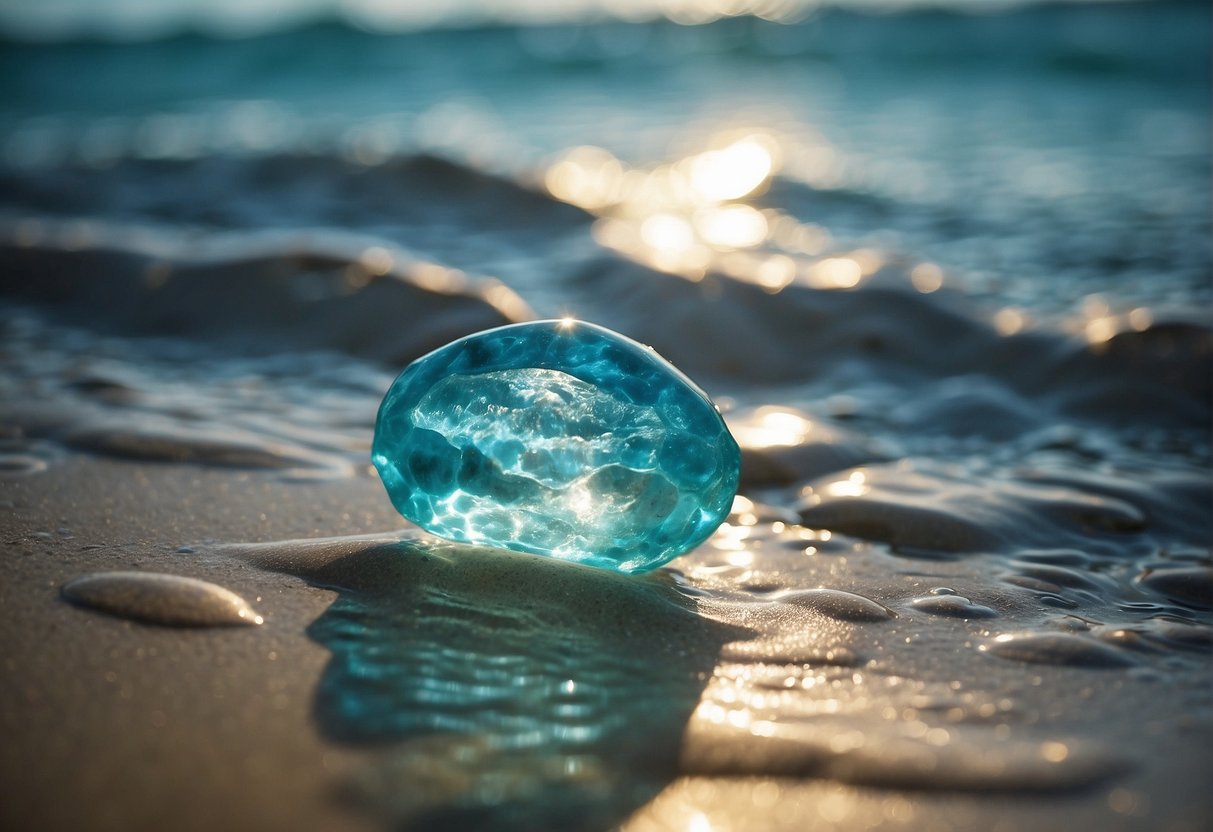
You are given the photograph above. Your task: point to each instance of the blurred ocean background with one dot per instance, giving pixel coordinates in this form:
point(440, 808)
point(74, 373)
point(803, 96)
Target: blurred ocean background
point(1053, 158)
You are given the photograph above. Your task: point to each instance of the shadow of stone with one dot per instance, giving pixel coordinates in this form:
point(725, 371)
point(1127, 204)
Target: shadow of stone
point(505, 691)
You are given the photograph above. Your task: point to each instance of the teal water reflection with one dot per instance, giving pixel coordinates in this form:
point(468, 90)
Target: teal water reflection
point(504, 691)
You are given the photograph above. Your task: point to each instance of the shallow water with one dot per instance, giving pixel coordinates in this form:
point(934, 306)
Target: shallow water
point(946, 276)
point(520, 691)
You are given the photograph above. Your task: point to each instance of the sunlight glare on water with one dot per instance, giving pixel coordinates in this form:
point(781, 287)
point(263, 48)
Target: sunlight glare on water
point(734, 171)
point(771, 426)
point(697, 214)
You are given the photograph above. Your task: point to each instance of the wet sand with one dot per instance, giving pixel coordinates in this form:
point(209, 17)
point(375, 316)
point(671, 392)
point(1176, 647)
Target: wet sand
point(856, 718)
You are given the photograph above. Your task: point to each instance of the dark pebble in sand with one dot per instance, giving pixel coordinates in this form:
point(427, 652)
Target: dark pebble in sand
point(1029, 582)
point(1093, 513)
point(107, 390)
point(900, 525)
point(1190, 584)
point(1057, 648)
point(161, 599)
point(1195, 637)
point(1057, 576)
point(163, 442)
point(953, 606)
point(19, 465)
point(784, 465)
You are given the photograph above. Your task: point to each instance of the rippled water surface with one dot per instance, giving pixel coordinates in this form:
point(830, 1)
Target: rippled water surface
point(947, 277)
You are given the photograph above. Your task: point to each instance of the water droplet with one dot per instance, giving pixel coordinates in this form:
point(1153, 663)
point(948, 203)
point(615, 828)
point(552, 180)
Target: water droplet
point(954, 606)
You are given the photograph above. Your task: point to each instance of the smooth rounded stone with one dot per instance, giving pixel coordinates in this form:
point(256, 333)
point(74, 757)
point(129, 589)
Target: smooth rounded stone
point(1057, 648)
point(558, 438)
point(849, 750)
point(1061, 576)
point(161, 599)
point(1187, 636)
point(835, 603)
point(18, 465)
point(1193, 584)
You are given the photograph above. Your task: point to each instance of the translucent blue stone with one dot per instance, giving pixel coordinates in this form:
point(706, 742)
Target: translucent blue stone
point(560, 438)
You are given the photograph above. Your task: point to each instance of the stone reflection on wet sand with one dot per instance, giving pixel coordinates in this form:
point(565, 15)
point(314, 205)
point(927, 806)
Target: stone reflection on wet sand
point(499, 690)
point(512, 692)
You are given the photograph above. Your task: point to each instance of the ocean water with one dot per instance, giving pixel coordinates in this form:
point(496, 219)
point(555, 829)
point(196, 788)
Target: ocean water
point(947, 275)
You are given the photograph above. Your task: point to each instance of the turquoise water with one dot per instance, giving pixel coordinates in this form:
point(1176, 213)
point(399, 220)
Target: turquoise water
point(561, 713)
point(1037, 155)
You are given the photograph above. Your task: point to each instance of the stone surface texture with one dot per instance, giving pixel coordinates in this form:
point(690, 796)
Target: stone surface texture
point(560, 438)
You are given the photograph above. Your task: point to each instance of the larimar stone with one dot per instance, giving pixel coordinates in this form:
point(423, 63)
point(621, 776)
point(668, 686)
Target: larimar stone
point(560, 438)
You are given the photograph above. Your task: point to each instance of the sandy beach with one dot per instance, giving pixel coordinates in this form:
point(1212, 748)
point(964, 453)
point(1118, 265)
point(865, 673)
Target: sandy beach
point(144, 726)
